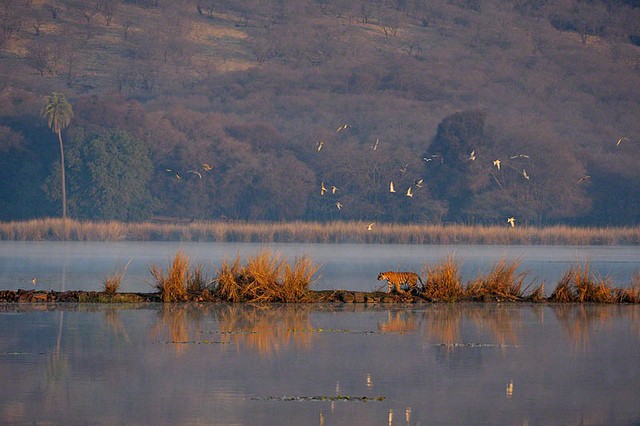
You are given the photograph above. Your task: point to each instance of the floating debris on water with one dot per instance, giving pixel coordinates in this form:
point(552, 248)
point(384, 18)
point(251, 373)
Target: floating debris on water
point(193, 342)
point(320, 398)
point(21, 353)
point(474, 345)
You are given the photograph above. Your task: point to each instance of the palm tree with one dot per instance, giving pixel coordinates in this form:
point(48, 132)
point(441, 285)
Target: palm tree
point(58, 113)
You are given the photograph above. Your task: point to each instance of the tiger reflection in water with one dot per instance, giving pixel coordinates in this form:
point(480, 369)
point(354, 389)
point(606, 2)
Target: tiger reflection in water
point(395, 280)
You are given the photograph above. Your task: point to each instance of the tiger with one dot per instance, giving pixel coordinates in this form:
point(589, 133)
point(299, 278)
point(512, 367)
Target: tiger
point(397, 279)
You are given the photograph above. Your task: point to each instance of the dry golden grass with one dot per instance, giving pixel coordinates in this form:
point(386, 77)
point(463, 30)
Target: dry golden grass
point(111, 283)
point(502, 283)
point(443, 282)
point(197, 280)
point(564, 292)
point(537, 295)
point(631, 294)
point(312, 232)
point(266, 278)
point(578, 284)
point(173, 285)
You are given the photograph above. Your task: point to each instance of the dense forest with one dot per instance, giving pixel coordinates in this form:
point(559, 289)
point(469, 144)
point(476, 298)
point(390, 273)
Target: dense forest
point(473, 110)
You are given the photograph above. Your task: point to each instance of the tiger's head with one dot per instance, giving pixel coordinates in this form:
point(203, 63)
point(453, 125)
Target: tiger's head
point(382, 276)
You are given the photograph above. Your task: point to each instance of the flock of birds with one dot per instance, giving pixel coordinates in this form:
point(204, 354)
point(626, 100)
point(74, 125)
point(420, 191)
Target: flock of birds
point(205, 168)
point(410, 191)
point(418, 183)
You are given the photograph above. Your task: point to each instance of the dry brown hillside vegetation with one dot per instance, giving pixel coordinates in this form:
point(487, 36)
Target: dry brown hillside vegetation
point(246, 110)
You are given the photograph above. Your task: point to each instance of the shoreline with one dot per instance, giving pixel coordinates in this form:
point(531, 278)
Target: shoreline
point(21, 296)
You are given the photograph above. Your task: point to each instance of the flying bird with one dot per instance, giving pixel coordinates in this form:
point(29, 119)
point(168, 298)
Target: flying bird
point(176, 173)
point(512, 221)
point(343, 127)
point(583, 178)
point(195, 173)
point(431, 157)
point(391, 187)
point(206, 167)
point(322, 189)
point(409, 193)
point(519, 156)
point(472, 156)
point(524, 174)
point(339, 205)
point(370, 226)
point(320, 145)
point(334, 189)
point(624, 138)
point(418, 183)
point(496, 163)
point(403, 168)
point(375, 144)
point(33, 281)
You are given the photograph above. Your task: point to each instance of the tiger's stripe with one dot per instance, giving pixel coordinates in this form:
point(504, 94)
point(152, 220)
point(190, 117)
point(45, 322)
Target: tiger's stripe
point(395, 280)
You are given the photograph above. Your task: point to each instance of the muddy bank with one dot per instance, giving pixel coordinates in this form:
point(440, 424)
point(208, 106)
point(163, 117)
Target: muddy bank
point(325, 296)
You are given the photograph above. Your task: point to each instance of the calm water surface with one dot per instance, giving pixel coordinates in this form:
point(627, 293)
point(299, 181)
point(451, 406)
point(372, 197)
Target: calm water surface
point(83, 265)
point(226, 364)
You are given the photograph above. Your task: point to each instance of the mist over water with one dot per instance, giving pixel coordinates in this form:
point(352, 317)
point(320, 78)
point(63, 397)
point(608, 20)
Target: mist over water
point(83, 265)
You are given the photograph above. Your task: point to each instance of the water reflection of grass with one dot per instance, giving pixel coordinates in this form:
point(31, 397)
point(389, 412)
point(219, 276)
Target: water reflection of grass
point(398, 322)
point(312, 232)
point(444, 324)
point(266, 329)
point(497, 325)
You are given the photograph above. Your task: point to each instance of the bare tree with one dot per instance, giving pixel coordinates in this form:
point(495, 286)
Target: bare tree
point(39, 58)
point(10, 22)
point(126, 25)
point(389, 23)
point(107, 8)
point(53, 9)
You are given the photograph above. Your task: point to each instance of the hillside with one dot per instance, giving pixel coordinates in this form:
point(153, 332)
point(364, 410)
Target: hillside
point(164, 89)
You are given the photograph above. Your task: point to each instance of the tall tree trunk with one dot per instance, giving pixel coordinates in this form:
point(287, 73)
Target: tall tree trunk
point(64, 184)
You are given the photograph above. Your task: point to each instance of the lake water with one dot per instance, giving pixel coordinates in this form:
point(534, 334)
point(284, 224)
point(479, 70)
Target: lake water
point(249, 365)
point(83, 265)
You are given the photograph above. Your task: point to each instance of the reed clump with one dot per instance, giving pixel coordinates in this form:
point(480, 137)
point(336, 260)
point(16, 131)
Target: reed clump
point(631, 294)
point(197, 280)
point(266, 277)
point(501, 283)
point(172, 285)
point(578, 284)
point(537, 295)
point(111, 283)
point(443, 282)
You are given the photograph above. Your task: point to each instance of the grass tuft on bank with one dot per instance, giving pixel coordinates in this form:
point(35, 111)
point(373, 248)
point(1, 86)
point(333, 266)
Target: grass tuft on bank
point(266, 277)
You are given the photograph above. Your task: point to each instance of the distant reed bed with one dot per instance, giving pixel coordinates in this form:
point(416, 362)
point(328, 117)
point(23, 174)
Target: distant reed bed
point(313, 232)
